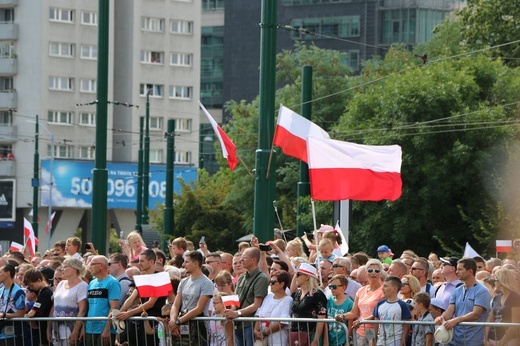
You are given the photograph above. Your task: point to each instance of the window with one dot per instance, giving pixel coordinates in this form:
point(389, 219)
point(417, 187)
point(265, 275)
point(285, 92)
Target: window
point(63, 151)
point(88, 52)
point(181, 26)
point(156, 90)
point(181, 92)
point(149, 57)
point(61, 83)
point(7, 15)
point(6, 83)
point(60, 117)
point(212, 5)
point(89, 18)
point(6, 118)
point(156, 155)
point(87, 152)
point(87, 119)
point(181, 59)
point(353, 59)
point(152, 24)
point(348, 26)
point(64, 50)
point(182, 157)
point(61, 15)
point(7, 50)
point(156, 123)
point(183, 125)
point(87, 85)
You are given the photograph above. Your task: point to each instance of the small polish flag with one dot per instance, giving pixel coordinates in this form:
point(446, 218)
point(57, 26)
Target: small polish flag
point(231, 301)
point(31, 214)
point(49, 223)
point(504, 245)
point(292, 131)
point(153, 285)
point(229, 150)
point(16, 246)
point(344, 244)
point(31, 240)
point(341, 170)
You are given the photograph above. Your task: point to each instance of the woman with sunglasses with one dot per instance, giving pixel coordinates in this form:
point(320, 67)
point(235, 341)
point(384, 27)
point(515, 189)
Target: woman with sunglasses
point(365, 302)
point(409, 287)
point(505, 307)
point(275, 304)
point(338, 304)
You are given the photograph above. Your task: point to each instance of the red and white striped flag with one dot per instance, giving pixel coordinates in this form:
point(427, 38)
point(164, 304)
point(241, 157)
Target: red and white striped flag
point(292, 131)
point(31, 214)
point(153, 285)
point(49, 223)
point(231, 301)
point(31, 240)
point(16, 246)
point(504, 245)
point(229, 150)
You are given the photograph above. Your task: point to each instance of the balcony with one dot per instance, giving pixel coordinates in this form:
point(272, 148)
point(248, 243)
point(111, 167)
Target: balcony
point(8, 66)
point(8, 99)
point(8, 3)
point(7, 168)
point(8, 134)
point(8, 31)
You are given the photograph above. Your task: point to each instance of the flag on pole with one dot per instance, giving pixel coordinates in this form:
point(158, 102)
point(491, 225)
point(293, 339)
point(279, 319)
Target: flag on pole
point(153, 285)
point(228, 147)
point(469, 252)
point(342, 170)
point(49, 223)
point(231, 301)
point(504, 245)
point(292, 131)
point(16, 246)
point(31, 240)
point(344, 245)
point(31, 214)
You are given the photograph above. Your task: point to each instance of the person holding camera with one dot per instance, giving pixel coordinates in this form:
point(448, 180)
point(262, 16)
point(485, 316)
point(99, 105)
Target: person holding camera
point(12, 304)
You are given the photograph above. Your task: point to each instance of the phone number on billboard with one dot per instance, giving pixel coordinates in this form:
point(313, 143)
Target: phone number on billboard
point(117, 187)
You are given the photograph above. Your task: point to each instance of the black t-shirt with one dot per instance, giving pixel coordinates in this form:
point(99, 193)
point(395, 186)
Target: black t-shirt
point(155, 310)
point(314, 304)
point(503, 313)
point(42, 307)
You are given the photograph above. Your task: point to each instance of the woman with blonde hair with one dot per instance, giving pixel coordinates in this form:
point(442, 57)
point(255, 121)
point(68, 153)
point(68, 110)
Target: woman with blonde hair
point(133, 247)
point(294, 248)
point(505, 308)
point(70, 300)
point(409, 287)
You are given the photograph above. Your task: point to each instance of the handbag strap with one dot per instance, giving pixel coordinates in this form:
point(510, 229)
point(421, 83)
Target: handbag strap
point(8, 298)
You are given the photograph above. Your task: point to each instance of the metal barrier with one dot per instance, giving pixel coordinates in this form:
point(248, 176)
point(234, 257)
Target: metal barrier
point(392, 331)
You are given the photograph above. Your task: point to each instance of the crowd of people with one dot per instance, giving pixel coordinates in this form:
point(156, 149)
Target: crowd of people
point(300, 279)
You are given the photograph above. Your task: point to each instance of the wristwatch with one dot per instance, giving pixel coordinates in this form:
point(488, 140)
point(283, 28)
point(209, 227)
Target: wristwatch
point(178, 321)
point(239, 313)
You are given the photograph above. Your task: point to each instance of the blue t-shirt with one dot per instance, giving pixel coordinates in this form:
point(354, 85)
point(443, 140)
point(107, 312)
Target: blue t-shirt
point(391, 311)
point(99, 295)
point(336, 331)
point(465, 300)
point(15, 302)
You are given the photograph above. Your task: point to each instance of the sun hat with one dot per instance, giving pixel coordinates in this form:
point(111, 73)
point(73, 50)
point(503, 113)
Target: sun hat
point(307, 269)
point(443, 335)
point(437, 303)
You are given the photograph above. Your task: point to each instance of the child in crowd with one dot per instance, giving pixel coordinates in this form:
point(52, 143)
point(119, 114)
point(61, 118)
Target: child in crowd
point(391, 308)
point(435, 308)
point(220, 332)
point(72, 246)
point(325, 249)
point(338, 304)
point(423, 334)
point(383, 252)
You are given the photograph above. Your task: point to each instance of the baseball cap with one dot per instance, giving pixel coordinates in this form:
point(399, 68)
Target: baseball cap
point(383, 248)
point(452, 261)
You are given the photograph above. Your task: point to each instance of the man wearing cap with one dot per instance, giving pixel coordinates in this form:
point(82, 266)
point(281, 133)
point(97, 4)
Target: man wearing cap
point(468, 303)
point(444, 291)
point(383, 252)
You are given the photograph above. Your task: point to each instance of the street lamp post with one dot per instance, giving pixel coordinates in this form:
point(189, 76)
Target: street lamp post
point(146, 161)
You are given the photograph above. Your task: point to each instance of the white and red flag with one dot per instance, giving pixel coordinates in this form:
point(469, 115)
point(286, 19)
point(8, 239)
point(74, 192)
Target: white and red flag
point(292, 131)
point(31, 214)
point(49, 223)
point(231, 301)
point(229, 150)
point(342, 170)
point(504, 245)
point(30, 238)
point(16, 247)
point(153, 285)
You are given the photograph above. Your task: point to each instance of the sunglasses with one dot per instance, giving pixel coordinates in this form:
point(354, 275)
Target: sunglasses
point(404, 284)
point(333, 287)
point(335, 265)
point(370, 270)
point(416, 268)
point(272, 282)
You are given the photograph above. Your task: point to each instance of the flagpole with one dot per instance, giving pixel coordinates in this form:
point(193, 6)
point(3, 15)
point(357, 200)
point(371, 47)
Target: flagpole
point(269, 162)
point(316, 238)
point(247, 168)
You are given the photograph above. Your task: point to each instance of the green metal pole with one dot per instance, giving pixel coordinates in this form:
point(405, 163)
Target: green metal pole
point(146, 164)
point(100, 173)
point(168, 223)
point(304, 186)
point(139, 201)
point(36, 179)
point(263, 225)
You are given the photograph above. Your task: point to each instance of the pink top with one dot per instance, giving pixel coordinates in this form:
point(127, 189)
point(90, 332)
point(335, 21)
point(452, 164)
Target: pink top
point(367, 301)
point(136, 256)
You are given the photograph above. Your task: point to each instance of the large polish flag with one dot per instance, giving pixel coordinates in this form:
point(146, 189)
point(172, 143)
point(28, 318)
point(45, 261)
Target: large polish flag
point(231, 301)
point(342, 170)
point(31, 240)
point(292, 131)
point(504, 245)
point(153, 285)
point(229, 150)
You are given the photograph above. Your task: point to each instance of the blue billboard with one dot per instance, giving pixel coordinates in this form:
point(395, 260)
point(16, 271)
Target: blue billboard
point(72, 184)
